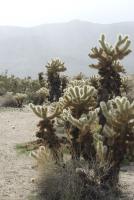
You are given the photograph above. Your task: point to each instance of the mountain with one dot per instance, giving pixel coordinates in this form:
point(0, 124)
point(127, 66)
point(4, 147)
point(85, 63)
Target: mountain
point(25, 51)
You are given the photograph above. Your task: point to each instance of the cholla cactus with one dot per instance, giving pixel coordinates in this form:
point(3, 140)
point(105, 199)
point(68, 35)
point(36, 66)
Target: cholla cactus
point(46, 129)
point(64, 83)
point(118, 112)
point(54, 82)
point(109, 67)
point(101, 151)
point(79, 83)
point(43, 94)
point(55, 65)
point(124, 84)
point(107, 54)
point(44, 156)
point(78, 99)
point(42, 112)
point(80, 133)
point(20, 97)
point(80, 76)
point(94, 81)
point(43, 91)
point(118, 132)
point(42, 81)
point(85, 122)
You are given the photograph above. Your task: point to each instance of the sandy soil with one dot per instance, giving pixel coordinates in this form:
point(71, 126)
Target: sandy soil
point(127, 180)
point(16, 170)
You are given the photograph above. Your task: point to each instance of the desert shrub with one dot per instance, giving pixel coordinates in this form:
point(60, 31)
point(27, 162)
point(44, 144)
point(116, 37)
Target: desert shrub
point(71, 180)
point(8, 101)
point(35, 99)
point(20, 98)
point(18, 85)
point(2, 91)
point(2, 88)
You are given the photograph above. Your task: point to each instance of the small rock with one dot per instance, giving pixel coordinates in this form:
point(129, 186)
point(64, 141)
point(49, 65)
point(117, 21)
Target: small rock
point(33, 180)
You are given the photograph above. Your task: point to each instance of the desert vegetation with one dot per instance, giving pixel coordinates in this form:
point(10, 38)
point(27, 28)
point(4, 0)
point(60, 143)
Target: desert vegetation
point(86, 128)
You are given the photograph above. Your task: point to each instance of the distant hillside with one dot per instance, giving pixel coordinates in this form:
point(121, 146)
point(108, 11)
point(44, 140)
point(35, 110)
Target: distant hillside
point(25, 51)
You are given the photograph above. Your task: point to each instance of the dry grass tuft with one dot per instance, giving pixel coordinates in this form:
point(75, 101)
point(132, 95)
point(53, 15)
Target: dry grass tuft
point(73, 180)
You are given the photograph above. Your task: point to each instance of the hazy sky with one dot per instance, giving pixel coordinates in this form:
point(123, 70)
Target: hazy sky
point(35, 12)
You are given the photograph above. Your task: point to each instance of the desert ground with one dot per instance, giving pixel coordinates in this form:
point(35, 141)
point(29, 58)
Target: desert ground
point(16, 170)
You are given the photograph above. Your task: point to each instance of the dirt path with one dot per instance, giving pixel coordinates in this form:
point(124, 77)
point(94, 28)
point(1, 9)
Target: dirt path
point(15, 170)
